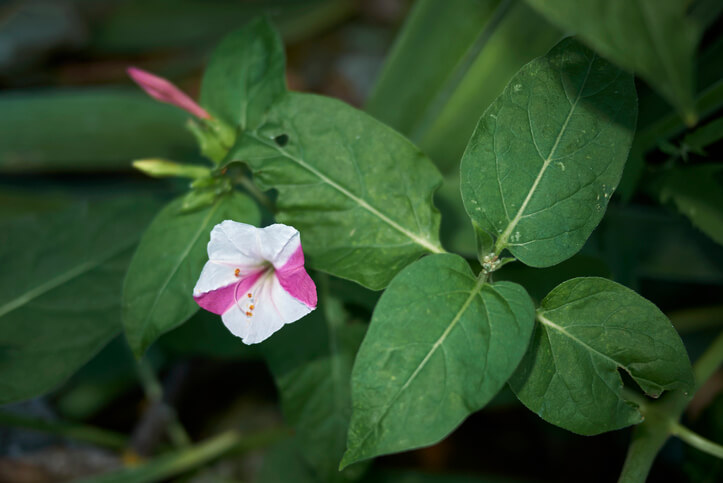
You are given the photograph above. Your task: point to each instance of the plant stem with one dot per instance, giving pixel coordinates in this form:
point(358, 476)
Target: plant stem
point(80, 432)
point(181, 461)
point(254, 191)
point(154, 392)
point(646, 442)
point(661, 421)
point(696, 440)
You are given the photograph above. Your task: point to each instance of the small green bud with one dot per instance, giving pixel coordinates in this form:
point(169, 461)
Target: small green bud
point(161, 168)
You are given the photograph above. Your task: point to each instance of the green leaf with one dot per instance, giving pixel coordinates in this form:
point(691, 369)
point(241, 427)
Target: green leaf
point(245, 75)
point(426, 35)
point(311, 362)
point(546, 156)
point(204, 335)
point(588, 329)
point(60, 291)
point(473, 43)
point(697, 193)
point(284, 463)
point(87, 130)
point(653, 38)
point(440, 345)
point(359, 193)
point(157, 292)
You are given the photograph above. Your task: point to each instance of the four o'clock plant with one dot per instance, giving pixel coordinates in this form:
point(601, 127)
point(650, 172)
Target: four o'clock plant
point(444, 338)
point(448, 331)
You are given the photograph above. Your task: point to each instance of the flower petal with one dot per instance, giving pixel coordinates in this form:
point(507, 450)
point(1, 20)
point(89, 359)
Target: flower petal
point(220, 300)
point(279, 243)
point(273, 307)
point(162, 90)
point(294, 279)
point(235, 244)
point(247, 245)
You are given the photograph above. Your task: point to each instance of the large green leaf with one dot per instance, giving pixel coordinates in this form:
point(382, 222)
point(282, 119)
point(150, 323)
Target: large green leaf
point(311, 362)
point(157, 292)
point(426, 35)
point(245, 75)
point(359, 193)
point(588, 329)
point(473, 43)
point(60, 291)
point(83, 130)
point(653, 38)
point(548, 153)
point(440, 345)
point(697, 193)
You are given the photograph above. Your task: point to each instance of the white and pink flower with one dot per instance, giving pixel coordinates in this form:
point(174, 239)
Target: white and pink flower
point(255, 279)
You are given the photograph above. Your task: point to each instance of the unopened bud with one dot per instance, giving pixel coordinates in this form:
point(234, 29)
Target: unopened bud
point(161, 168)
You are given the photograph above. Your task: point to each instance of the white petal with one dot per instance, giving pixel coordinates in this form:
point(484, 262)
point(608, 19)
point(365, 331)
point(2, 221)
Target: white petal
point(214, 276)
point(273, 308)
point(236, 243)
point(278, 243)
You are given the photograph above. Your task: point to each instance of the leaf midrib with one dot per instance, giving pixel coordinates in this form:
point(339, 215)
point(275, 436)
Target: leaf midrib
point(181, 259)
point(361, 202)
point(548, 323)
point(59, 280)
point(475, 291)
point(501, 243)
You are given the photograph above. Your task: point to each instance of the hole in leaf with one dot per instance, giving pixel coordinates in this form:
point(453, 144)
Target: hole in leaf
point(282, 140)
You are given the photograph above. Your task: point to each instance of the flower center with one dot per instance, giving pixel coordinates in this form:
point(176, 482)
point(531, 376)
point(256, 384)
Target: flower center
point(247, 302)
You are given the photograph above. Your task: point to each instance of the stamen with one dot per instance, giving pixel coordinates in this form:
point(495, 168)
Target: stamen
point(237, 272)
point(248, 295)
point(249, 314)
point(251, 307)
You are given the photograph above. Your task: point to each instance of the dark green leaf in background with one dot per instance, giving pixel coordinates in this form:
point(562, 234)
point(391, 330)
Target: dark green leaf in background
point(245, 75)
point(158, 289)
point(359, 193)
point(191, 26)
point(449, 62)
point(204, 335)
point(697, 192)
point(588, 329)
point(91, 130)
point(311, 362)
point(60, 290)
point(440, 345)
point(548, 153)
point(652, 38)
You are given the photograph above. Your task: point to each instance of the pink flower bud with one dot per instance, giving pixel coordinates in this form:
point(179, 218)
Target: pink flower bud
point(164, 91)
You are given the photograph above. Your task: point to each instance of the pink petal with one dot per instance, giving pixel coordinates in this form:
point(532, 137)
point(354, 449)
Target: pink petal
point(294, 279)
point(223, 299)
point(162, 90)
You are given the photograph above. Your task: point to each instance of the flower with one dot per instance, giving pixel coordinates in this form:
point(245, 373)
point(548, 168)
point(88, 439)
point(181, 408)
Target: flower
point(162, 90)
point(255, 279)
